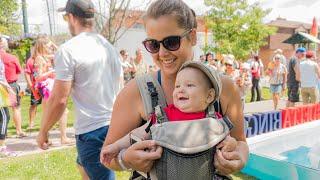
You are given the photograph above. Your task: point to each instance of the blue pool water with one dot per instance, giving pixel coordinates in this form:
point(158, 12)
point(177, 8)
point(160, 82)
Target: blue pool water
point(298, 156)
point(266, 168)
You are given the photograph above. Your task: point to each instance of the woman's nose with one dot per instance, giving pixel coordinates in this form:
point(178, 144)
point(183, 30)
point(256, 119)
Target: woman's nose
point(163, 52)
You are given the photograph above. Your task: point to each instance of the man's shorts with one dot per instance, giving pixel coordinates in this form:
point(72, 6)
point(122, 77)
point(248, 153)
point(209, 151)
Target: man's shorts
point(293, 93)
point(89, 146)
point(309, 95)
point(16, 88)
point(33, 101)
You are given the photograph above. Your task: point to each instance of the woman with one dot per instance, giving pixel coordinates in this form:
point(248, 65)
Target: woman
point(44, 76)
point(229, 67)
point(4, 115)
point(172, 21)
point(278, 74)
point(256, 70)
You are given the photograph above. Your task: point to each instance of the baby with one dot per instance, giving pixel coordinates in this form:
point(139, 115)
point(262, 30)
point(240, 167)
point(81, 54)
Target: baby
point(194, 92)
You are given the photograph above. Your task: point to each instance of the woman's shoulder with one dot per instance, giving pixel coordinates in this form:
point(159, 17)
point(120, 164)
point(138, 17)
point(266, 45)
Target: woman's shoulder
point(131, 89)
point(131, 92)
point(228, 88)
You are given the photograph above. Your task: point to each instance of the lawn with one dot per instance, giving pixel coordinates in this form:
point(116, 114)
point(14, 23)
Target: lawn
point(54, 165)
point(265, 94)
point(25, 103)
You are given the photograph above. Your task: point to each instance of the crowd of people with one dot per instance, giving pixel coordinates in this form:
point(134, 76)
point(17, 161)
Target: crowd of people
point(102, 80)
point(134, 66)
point(300, 71)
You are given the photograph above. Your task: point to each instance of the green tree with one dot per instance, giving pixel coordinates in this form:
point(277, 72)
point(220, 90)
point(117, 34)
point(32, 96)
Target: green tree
point(8, 17)
point(237, 27)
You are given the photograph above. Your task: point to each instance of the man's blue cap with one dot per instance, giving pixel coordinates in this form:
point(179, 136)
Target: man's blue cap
point(301, 50)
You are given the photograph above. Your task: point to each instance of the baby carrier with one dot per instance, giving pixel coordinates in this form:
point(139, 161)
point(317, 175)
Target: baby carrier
point(188, 146)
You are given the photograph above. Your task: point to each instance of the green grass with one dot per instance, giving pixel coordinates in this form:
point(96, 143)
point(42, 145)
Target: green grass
point(55, 165)
point(25, 104)
point(265, 94)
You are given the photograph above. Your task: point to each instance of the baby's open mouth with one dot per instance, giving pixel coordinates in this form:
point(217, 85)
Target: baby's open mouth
point(183, 98)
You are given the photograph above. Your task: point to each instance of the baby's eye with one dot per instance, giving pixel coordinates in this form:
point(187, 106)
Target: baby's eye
point(177, 86)
point(190, 85)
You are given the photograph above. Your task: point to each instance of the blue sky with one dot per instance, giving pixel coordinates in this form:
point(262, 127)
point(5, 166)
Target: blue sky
point(297, 10)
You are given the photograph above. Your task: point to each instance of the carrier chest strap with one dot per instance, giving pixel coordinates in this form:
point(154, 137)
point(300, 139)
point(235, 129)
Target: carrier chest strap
point(160, 114)
point(158, 109)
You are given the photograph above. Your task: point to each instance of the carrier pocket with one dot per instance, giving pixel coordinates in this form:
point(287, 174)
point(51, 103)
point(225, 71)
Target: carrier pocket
point(176, 166)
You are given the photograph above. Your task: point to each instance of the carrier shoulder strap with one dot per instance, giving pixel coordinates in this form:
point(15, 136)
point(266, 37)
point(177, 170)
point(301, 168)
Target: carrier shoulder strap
point(145, 83)
point(216, 107)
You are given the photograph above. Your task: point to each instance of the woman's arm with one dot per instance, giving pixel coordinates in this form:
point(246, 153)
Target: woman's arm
point(233, 151)
point(126, 117)
point(284, 79)
point(41, 73)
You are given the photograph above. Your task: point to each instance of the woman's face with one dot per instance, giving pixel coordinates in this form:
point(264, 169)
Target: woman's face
point(169, 61)
point(277, 61)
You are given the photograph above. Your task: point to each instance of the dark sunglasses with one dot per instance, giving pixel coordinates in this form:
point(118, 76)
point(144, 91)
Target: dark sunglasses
point(171, 43)
point(226, 64)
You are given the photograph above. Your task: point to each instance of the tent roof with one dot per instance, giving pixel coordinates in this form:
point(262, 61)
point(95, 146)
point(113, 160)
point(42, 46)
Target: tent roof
point(302, 38)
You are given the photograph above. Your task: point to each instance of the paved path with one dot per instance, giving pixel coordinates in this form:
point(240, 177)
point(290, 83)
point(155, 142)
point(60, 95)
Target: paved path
point(27, 145)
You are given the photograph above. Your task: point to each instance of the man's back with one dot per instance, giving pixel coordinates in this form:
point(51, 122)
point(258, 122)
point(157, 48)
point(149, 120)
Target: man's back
point(291, 77)
point(94, 67)
point(309, 76)
point(12, 66)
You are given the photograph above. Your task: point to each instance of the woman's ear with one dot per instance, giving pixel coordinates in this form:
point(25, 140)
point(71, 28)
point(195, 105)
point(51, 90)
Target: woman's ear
point(193, 35)
point(211, 96)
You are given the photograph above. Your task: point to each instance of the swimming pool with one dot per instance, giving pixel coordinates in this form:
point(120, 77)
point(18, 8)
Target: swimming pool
point(284, 154)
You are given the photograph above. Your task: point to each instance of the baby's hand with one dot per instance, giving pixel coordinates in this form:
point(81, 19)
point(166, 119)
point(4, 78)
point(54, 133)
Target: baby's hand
point(108, 153)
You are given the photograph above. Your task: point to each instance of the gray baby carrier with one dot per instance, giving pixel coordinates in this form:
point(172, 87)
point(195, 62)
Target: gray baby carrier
point(188, 146)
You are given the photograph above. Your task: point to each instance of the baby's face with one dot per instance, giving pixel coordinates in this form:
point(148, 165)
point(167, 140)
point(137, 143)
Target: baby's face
point(192, 92)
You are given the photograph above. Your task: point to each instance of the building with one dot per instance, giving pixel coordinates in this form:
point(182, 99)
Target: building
point(285, 29)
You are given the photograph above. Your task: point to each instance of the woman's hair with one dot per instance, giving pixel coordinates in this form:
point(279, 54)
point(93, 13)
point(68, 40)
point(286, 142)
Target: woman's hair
point(40, 47)
point(208, 54)
point(185, 16)
point(123, 52)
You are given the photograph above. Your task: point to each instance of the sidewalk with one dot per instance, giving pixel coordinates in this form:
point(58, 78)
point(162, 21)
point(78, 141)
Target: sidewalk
point(28, 145)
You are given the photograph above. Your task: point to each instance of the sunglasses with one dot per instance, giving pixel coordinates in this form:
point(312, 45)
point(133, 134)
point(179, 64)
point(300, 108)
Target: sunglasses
point(171, 43)
point(227, 64)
